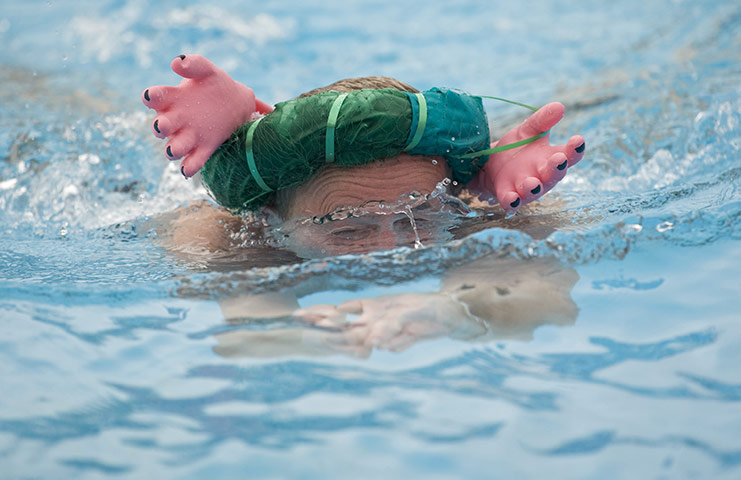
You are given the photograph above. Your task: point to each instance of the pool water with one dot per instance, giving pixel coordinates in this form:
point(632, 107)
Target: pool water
point(119, 359)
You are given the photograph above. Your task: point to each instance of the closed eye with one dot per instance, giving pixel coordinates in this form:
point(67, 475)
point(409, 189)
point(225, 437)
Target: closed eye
point(354, 233)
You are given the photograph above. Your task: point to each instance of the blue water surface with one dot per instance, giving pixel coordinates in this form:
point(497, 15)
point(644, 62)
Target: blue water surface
point(119, 359)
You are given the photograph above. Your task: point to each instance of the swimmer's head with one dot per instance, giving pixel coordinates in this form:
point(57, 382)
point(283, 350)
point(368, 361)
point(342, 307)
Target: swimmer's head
point(335, 187)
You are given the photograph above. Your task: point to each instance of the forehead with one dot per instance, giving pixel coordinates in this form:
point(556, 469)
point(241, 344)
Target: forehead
point(383, 180)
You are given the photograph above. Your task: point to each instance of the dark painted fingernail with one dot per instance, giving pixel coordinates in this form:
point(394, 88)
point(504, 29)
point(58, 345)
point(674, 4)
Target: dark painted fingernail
point(146, 94)
point(169, 151)
point(182, 57)
point(515, 204)
point(182, 171)
point(563, 165)
point(535, 190)
point(580, 148)
point(156, 126)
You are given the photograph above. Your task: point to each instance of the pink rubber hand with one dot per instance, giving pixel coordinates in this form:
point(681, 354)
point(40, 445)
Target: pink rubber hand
point(201, 113)
point(524, 174)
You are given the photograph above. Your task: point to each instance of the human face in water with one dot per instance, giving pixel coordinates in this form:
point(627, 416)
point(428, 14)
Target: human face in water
point(335, 188)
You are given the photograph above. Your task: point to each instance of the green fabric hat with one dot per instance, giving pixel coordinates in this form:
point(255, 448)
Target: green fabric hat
point(287, 146)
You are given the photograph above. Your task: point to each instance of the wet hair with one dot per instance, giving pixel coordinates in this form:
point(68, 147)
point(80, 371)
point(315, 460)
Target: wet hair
point(359, 83)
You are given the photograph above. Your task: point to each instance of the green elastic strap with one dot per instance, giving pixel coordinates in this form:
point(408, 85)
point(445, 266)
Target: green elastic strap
point(421, 123)
point(534, 109)
point(251, 157)
point(334, 112)
point(502, 148)
point(509, 146)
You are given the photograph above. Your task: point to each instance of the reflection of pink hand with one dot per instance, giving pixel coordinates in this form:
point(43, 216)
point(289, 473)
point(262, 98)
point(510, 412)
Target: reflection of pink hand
point(199, 114)
point(395, 322)
point(521, 175)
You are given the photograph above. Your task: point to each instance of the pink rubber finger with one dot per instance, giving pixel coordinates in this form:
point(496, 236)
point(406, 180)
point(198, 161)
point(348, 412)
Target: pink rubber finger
point(179, 146)
point(573, 146)
point(553, 170)
point(192, 66)
point(542, 120)
point(194, 162)
point(160, 97)
point(530, 189)
point(509, 201)
point(168, 124)
point(162, 127)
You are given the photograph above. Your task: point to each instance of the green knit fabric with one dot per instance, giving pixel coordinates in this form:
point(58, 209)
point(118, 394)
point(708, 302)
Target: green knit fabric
point(288, 145)
point(456, 126)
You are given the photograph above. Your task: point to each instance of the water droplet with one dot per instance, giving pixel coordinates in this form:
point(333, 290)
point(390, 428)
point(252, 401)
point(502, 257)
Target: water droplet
point(434, 162)
point(408, 212)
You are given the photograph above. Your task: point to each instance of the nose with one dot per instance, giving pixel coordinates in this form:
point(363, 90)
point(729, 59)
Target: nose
point(386, 237)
